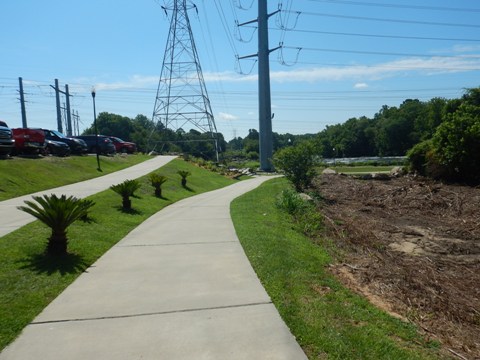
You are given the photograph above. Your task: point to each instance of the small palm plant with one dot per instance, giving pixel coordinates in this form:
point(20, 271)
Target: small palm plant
point(125, 190)
point(184, 174)
point(157, 181)
point(58, 213)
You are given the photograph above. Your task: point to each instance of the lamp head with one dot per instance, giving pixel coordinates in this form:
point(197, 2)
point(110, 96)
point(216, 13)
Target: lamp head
point(93, 91)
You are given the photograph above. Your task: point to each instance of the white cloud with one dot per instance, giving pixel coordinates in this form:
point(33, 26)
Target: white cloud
point(360, 86)
point(226, 116)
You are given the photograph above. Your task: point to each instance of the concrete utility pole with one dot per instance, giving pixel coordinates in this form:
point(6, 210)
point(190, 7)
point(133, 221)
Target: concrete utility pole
point(22, 103)
point(59, 113)
point(69, 115)
point(264, 98)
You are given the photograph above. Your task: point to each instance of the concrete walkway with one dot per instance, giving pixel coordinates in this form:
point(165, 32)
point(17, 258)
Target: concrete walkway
point(11, 218)
point(179, 286)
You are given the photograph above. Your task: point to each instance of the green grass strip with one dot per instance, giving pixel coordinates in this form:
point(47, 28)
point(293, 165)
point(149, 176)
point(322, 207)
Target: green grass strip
point(328, 320)
point(29, 281)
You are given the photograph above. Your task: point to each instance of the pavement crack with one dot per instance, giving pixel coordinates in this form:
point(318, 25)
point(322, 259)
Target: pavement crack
point(126, 316)
point(177, 244)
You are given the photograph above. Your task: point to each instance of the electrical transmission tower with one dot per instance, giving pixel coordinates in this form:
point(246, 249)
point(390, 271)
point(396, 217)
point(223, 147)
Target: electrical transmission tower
point(182, 98)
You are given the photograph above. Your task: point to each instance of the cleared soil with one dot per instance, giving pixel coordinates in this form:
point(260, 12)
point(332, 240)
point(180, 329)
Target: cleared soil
point(412, 246)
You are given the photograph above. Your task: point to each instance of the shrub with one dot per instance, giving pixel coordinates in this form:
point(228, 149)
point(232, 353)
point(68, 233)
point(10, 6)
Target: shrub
point(417, 157)
point(184, 174)
point(58, 213)
point(298, 164)
point(290, 201)
point(304, 212)
point(125, 190)
point(157, 181)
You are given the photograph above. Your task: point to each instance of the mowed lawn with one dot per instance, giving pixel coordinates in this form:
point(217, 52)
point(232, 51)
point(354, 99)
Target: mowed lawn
point(20, 176)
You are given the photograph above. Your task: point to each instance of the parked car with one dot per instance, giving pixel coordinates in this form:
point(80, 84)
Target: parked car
point(105, 145)
point(28, 141)
point(56, 148)
point(122, 146)
point(7, 143)
point(77, 146)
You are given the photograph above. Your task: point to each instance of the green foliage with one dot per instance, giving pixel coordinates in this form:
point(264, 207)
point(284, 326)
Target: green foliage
point(298, 164)
point(290, 201)
point(125, 190)
point(418, 157)
point(456, 144)
point(304, 212)
point(157, 181)
point(184, 174)
point(453, 153)
point(58, 213)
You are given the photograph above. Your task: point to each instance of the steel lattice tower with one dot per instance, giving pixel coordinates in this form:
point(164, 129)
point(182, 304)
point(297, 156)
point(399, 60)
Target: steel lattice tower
point(182, 97)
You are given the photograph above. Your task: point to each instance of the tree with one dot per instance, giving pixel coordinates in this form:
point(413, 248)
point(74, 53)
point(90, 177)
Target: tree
point(298, 164)
point(58, 213)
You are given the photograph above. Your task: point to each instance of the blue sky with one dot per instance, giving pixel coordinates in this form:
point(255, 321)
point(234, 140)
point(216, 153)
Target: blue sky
point(355, 57)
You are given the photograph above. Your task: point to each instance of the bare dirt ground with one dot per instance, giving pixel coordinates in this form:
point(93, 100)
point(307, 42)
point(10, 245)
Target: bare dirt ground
point(412, 246)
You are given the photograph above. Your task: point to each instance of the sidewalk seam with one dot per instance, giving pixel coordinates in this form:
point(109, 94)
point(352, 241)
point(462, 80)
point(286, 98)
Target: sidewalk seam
point(177, 244)
point(153, 313)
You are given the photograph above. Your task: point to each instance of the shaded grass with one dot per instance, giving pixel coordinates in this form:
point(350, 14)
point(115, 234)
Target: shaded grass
point(328, 320)
point(20, 176)
point(29, 280)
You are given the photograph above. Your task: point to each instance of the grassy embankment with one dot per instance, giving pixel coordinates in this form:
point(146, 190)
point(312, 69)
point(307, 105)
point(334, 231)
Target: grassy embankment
point(29, 280)
point(328, 320)
point(20, 176)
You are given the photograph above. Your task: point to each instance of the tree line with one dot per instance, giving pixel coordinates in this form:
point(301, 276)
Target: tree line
point(441, 136)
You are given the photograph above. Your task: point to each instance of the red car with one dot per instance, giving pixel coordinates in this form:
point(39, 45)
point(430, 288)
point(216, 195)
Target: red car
point(123, 146)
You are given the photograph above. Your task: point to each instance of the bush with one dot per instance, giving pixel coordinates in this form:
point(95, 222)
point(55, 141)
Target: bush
point(306, 216)
point(290, 201)
point(418, 155)
point(157, 181)
point(298, 164)
point(456, 144)
point(125, 190)
point(58, 213)
point(184, 174)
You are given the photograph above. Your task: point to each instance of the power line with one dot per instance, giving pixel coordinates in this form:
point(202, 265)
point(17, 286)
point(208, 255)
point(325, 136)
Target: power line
point(375, 52)
point(390, 20)
point(381, 36)
point(399, 6)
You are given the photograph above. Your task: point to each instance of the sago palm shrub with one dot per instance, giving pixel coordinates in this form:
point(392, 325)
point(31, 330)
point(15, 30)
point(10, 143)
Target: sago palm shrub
point(157, 181)
point(58, 213)
point(125, 190)
point(184, 174)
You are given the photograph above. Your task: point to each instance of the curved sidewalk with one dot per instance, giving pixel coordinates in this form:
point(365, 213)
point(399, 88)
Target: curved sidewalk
point(11, 218)
point(179, 286)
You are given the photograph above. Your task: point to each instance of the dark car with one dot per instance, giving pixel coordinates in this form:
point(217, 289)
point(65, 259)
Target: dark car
point(77, 146)
point(123, 146)
point(56, 148)
point(7, 143)
point(105, 145)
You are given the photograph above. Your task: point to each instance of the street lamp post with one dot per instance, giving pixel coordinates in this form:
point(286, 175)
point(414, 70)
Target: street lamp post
point(96, 130)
